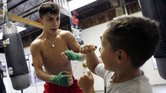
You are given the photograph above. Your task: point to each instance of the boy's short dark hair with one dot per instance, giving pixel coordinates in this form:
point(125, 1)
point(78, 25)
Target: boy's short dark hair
point(48, 7)
point(137, 36)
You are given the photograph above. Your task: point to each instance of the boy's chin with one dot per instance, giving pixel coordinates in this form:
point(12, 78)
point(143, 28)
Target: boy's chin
point(53, 30)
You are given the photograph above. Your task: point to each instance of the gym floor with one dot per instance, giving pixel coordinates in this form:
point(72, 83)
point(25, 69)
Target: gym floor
point(38, 88)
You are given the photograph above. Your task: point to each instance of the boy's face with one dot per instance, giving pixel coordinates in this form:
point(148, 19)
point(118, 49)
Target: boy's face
point(107, 54)
point(51, 22)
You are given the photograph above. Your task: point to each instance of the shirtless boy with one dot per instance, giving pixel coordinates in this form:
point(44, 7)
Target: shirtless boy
point(46, 51)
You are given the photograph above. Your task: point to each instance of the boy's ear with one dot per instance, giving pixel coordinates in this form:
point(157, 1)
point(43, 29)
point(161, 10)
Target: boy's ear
point(121, 56)
point(40, 20)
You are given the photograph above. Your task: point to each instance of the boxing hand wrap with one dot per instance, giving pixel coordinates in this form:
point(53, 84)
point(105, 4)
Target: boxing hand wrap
point(60, 79)
point(72, 56)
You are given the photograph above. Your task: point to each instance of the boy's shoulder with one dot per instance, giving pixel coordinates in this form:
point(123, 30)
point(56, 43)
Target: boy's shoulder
point(36, 42)
point(64, 32)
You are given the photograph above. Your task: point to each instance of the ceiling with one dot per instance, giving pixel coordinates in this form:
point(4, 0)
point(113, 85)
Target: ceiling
point(28, 9)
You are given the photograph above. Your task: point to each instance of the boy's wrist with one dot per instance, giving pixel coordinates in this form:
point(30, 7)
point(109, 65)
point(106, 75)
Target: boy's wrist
point(72, 56)
point(89, 90)
point(59, 79)
point(51, 78)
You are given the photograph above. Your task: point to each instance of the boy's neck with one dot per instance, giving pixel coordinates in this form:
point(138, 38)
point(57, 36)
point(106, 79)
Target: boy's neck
point(49, 36)
point(126, 75)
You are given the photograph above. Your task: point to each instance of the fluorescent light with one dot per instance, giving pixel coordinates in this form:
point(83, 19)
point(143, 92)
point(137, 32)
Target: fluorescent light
point(75, 4)
point(1, 35)
point(20, 29)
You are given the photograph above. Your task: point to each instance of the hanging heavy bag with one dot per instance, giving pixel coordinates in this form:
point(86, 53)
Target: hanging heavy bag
point(16, 63)
point(155, 9)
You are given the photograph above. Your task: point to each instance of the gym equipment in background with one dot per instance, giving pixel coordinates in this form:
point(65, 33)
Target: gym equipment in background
point(74, 21)
point(155, 9)
point(14, 53)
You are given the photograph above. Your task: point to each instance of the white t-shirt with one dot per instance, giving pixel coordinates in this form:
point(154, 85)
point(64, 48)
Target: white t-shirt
point(139, 84)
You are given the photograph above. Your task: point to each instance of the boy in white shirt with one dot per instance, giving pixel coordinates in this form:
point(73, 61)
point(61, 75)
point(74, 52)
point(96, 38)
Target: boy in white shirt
point(127, 44)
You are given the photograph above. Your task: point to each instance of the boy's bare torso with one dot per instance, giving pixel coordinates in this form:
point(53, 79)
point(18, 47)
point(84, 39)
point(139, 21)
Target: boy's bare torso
point(52, 60)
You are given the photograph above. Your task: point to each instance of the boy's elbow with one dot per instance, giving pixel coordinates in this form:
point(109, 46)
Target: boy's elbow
point(38, 73)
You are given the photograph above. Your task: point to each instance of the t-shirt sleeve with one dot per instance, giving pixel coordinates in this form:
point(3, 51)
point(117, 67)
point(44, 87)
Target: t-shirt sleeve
point(99, 70)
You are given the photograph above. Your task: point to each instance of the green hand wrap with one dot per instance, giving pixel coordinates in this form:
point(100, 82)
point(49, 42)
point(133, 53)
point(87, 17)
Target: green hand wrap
point(60, 79)
point(72, 56)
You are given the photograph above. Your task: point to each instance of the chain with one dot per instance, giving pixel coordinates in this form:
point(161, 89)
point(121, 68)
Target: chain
point(5, 10)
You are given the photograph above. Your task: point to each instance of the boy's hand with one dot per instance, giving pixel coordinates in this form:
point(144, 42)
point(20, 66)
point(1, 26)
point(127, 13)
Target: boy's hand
point(62, 79)
point(86, 82)
point(87, 49)
point(72, 56)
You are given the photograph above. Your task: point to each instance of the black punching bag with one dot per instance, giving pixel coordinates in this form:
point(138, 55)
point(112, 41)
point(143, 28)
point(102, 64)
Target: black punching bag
point(156, 10)
point(14, 53)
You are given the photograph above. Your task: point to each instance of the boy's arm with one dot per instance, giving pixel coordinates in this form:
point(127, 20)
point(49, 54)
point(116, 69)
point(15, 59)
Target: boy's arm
point(38, 62)
point(86, 83)
point(86, 50)
point(92, 61)
point(71, 41)
point(89, 91)
point(74, 56)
